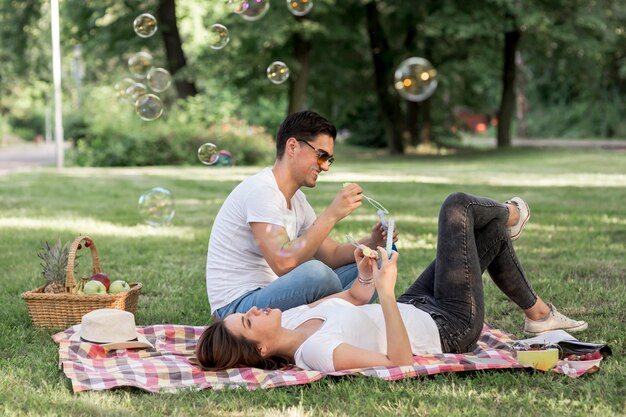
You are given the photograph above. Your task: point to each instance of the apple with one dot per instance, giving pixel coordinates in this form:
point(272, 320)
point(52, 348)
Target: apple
point(118, 286)
point(103, 278)
point(94, 287)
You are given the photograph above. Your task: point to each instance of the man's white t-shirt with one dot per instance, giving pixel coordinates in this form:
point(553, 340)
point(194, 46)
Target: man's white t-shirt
point(360, 326)
point(235, 265)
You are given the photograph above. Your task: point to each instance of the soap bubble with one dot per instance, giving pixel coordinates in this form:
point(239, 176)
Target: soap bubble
point(218, 36)
point(135, 91)
point(159, 79)
point(122, 86)
point(239, 6)
point(415, 79)
point(140, 64)
point(208, 154)
point(278, 238)
point(145, 25)
point(299, 7)
point(255, 10)
point(149, 107)
point(278, 72)
point(156, 206)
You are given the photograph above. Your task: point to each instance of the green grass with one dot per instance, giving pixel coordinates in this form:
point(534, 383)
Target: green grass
point(573, 250)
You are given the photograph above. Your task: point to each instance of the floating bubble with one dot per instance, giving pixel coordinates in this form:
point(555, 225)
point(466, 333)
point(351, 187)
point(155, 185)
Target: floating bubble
point(255, 9)
point(218, 36)
point(299, 7)
point(122, 86)
point(415, 79)
point(159, 79)
point(208, 154)
point(278, 237)
point(145, 25)
point(278, 72)
point(239, 6)
point(135, 91)
point(140, 64)
point(292, 247)
point(149, 107)
point(156, 206)
point(225, 159)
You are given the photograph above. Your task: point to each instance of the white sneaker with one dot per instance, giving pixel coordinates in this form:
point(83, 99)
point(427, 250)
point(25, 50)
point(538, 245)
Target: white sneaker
point(515, 231)
point(554, 321)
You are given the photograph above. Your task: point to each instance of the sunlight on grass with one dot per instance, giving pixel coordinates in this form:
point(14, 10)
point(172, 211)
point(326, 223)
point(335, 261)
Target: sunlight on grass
point(402, 218)
point(103, 228)
point(337, 175)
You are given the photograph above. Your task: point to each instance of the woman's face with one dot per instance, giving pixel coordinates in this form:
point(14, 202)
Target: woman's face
point(256, 325)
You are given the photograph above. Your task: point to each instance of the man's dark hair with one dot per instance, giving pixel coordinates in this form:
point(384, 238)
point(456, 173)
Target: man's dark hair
point(304, 125)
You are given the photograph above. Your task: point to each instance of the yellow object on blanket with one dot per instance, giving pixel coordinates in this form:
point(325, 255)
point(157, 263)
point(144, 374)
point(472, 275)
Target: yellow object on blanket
point(543, 359)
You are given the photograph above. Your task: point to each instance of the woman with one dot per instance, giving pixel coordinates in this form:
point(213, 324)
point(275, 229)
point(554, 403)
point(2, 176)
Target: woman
point(443, 311)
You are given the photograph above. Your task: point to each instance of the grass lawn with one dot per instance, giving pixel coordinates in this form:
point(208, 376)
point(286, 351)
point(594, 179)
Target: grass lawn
point(573, 250)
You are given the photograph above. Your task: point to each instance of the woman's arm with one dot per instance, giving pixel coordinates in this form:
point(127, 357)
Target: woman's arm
point(399, 353)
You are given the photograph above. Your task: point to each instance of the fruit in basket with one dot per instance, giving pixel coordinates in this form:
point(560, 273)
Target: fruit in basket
point(103, 278)
point(118, 287)
point(94, 287)
point(54, 262)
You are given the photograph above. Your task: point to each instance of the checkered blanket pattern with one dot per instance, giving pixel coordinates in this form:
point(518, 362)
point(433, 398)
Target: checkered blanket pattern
point(168, 368)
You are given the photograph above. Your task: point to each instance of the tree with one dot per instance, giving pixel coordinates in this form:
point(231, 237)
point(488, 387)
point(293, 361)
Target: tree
point(173, 48)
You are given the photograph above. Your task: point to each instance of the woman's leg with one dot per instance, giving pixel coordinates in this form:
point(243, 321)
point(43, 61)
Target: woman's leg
point(464, 251)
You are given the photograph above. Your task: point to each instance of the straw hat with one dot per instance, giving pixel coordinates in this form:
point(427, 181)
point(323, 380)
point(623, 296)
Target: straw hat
point(112, 329)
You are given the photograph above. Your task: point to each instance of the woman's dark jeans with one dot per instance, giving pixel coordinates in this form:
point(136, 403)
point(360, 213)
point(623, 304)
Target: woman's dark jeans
point(472, 238)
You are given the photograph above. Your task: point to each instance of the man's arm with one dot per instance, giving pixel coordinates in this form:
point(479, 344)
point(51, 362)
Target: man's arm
point(283, 255)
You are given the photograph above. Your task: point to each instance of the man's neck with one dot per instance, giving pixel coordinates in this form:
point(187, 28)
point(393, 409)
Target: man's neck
point(286, 184)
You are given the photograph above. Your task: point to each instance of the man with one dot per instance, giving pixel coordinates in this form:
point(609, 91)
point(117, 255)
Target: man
point(267, 247)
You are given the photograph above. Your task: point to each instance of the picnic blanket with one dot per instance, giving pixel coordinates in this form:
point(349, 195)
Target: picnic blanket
point(168, 368)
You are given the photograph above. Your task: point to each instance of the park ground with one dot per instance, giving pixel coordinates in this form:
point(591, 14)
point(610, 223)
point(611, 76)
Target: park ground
point(573, 251)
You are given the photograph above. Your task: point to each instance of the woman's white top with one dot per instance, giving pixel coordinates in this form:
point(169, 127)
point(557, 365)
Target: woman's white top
point(360, 326)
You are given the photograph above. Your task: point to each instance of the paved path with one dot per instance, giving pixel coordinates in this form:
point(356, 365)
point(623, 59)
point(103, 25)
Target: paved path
point(552, 143)
point(25, 155)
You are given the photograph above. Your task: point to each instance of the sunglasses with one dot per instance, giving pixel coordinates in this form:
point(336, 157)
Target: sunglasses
point(322, 156)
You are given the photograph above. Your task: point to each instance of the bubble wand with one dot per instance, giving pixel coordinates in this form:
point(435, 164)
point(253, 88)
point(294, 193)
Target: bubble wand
point(390, 245)
point(366, 251)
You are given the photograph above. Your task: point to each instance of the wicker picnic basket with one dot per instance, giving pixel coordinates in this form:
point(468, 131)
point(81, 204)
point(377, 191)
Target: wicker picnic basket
point(60, 310)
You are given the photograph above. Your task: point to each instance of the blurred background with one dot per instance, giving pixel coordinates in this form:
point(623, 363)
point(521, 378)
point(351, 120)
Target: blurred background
point(498, 69)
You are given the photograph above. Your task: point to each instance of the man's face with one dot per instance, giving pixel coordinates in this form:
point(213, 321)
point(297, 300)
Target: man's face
point(308, 161)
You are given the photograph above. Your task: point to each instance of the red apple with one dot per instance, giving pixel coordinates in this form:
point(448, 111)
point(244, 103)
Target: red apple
point(103, 278)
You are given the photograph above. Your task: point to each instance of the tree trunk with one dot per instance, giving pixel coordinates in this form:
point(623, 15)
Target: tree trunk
point(173, 48)
point(413, 122)
point(300, 79)
point(426, 127)
point(388, 104)
point(507, 103)
point(521, 109)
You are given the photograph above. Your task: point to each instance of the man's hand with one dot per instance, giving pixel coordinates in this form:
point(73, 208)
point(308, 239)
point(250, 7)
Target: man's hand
point(346, 201)
point(379, 236)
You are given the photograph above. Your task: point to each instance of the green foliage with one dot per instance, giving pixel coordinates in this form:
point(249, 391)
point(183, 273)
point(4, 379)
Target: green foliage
point(112, 135)
point(574, 64)
point(366, 127)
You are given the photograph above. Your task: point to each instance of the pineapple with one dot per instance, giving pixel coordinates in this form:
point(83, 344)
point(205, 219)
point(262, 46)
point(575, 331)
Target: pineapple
point(54, 264)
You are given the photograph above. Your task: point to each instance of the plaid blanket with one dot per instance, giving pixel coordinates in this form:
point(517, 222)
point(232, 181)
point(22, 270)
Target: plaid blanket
point(167, 367)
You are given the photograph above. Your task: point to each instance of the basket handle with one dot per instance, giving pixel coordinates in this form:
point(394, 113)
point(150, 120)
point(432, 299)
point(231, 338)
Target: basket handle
point(70, 280)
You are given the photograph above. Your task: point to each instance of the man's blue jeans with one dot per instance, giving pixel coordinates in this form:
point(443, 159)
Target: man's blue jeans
point(303, 285)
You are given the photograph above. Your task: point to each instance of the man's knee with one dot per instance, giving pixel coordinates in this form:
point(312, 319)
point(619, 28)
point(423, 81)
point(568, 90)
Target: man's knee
point(321, 276)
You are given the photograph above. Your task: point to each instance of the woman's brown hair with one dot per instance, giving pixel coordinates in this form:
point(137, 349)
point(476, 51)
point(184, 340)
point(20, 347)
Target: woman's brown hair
point(218, 349)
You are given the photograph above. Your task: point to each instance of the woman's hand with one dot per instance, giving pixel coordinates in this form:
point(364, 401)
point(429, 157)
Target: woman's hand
point(385, 277)
point(365, 264)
